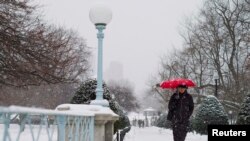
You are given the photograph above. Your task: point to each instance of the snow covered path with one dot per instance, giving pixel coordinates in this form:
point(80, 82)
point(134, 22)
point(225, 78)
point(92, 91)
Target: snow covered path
point(135, 134)
point(158, 134)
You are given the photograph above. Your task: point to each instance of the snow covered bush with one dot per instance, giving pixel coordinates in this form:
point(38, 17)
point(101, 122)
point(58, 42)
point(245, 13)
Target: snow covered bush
point(244, 114)
point(123, 119)
point(210, 111)
point(86, 93)
point(163, 122)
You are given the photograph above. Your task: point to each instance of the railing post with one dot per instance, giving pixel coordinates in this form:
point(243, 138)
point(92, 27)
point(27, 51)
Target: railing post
point(22, 122)
point(92, 129)
point(99, 130)
point(61, 121)
point(77, 128)
point(104, 126)
point(6, 126)
point(109, 130)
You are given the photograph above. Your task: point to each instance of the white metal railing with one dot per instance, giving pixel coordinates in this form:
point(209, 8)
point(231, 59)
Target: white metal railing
point(33, 124)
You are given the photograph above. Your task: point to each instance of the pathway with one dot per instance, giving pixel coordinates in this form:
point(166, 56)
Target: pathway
point(158, 134)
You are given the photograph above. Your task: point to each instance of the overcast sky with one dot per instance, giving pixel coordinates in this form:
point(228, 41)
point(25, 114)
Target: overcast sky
point(140, 31)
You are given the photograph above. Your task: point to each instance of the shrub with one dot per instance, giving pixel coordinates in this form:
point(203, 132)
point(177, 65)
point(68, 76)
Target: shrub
point(163, 122)
point(86, 93)
point(244, 114)
point(210, 111)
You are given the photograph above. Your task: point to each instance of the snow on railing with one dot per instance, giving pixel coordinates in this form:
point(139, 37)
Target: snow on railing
point(33, 124)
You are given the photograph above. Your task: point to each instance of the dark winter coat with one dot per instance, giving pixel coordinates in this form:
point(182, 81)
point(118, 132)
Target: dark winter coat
point(180, 107)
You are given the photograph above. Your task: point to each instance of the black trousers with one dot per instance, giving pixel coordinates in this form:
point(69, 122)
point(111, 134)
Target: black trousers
point(180, 131)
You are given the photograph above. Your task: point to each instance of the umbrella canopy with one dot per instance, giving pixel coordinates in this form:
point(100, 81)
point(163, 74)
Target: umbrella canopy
point(174, 83)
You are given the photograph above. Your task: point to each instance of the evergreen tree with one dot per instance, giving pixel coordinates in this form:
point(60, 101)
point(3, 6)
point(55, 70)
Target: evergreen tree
point(86, 93)
point(210, 111)
point(244, 114)
point(123, 119)
point(163, 122)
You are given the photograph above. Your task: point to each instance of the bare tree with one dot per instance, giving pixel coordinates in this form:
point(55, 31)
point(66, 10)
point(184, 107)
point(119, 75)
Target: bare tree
point(43, 96)
point(123, 93)
point(34, 53)
point(216, 43)
point(39, 63)
point(222, 31)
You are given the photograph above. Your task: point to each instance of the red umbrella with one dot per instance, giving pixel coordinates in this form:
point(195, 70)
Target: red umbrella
point(174, 83)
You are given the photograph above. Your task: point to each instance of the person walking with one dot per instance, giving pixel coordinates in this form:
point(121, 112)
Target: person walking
point(180, 108)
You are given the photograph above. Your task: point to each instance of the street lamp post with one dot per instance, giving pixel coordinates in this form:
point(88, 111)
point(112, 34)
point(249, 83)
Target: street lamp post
point(100, 16)
point(230, 116)
point(216, 87)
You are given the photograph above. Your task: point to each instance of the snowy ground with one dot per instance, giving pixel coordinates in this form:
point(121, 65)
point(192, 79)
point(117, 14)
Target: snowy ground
point(158, 134)
point(135, 134)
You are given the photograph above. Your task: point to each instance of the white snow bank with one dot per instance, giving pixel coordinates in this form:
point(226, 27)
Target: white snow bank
point(63, 109)
point(20, 109)
point(82, 108)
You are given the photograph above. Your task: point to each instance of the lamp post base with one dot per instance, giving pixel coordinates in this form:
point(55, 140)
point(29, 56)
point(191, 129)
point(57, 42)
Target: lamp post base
point(102, 102)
